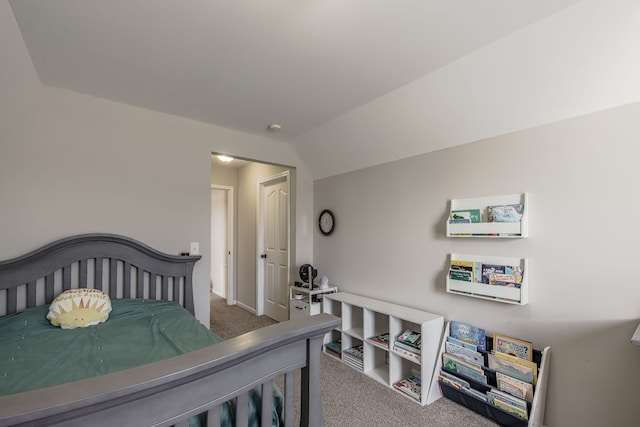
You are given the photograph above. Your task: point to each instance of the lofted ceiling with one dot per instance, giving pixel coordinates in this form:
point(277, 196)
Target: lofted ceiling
point(245, 64)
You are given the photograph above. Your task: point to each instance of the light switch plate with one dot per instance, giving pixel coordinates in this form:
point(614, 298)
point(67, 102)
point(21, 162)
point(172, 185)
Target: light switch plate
point(194, 248)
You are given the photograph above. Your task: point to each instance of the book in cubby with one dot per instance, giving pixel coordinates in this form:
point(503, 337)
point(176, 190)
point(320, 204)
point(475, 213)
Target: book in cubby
point(408, 344)
point(353, 357)
point(411, 386)
point(498, 376)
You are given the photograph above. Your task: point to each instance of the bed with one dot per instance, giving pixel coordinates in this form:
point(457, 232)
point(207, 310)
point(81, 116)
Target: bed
point(197, 379)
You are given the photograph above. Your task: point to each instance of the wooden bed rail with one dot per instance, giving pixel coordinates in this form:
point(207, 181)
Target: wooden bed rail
point(172, 390)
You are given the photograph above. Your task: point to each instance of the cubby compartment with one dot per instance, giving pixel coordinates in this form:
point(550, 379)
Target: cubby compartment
point(353, 320)
point(481, 225)
point(365, 319)
point(377, 363)
point(511, 294)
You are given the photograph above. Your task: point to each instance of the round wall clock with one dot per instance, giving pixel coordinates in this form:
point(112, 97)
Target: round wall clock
point(326, 222)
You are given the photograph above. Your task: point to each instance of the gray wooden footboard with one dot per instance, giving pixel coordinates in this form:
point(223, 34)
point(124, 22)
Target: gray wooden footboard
point(168, 392)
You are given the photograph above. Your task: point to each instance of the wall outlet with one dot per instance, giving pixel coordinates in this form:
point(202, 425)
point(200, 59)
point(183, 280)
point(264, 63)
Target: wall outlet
point(194, 249)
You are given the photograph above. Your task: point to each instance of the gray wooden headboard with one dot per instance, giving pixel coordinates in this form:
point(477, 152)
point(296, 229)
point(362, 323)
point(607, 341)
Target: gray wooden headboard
point(119, 266)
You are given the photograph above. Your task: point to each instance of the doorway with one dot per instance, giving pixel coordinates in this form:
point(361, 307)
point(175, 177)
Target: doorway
point(245, 235)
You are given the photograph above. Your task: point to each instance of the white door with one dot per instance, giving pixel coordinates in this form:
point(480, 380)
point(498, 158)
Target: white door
point(275, 248)
point(219, 249)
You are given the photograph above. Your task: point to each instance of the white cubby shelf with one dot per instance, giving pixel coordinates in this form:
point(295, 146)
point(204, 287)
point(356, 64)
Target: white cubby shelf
point(492, 230)
point(509, 295)
point(364, 318)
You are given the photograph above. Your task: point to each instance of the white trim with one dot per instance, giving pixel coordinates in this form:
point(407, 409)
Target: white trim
point(231, 267)
point(246, 307)
point(286, 175)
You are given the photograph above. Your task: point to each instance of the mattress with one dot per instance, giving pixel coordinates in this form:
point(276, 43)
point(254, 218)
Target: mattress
point(34, 354)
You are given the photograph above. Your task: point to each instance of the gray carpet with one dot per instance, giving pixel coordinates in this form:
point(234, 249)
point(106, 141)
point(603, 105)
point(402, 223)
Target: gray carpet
point(350, 398)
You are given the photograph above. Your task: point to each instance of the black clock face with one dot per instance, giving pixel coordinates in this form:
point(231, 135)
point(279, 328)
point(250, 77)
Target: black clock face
point(326, 222)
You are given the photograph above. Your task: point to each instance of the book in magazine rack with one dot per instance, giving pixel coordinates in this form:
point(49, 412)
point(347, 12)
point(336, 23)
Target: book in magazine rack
point(170, 391)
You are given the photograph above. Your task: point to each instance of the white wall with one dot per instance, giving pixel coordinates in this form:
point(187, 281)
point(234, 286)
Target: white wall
point(582, 177)
point(580, 60)
point(71, 163)
point(17, 73)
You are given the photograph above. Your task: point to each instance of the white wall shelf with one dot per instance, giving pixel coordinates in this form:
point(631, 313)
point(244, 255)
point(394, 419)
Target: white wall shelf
point(477, 289)
point(363, 318)
point(536, 413)
point(485, 229)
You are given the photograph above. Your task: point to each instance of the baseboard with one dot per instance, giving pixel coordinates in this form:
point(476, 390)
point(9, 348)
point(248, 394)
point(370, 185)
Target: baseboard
point(246, 307)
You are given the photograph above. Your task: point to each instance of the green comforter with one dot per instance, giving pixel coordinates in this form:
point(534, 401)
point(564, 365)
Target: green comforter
point(34, 354)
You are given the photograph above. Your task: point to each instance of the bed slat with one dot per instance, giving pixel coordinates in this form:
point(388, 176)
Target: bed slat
point(66, 278)
point(98, 274)
point(82, 271)
point(12, 300)
point(242, 410)
point(153, 280)
point(267, 400)
point(165, 288)
point(140, 282)
point(49, 291)
point(31, 294)
point(289, 399)
point(176, 288)
point(213, 417)
point(113, 277)
point(126, 291)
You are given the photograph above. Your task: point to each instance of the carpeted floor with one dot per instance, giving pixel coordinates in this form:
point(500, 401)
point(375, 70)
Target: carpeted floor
point(350, 398)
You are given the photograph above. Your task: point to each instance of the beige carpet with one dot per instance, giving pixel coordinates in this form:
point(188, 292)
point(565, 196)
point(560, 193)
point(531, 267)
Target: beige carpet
point(350, 398)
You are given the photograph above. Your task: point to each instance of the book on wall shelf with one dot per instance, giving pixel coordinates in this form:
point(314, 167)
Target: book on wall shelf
point(502, 216)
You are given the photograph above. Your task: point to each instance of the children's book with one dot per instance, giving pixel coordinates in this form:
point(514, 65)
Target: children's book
point(469, 333)
point(513, 346)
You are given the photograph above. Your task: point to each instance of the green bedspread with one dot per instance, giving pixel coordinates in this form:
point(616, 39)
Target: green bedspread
point(34, 354)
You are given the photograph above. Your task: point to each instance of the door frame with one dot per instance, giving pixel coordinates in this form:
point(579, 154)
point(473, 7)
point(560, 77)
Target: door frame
point(231, 256)
point(260, 270)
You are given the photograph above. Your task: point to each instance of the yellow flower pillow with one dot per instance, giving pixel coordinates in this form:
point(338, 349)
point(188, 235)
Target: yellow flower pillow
point(77, 308)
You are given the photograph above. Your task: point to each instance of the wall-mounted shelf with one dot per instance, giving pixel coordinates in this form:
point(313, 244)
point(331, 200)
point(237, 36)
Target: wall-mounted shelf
point(485, 229)
point(477, 289)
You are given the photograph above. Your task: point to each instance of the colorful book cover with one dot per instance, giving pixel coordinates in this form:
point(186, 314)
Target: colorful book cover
point(382, 339)
point(410, 337)
point(461, 343)
point(472, 214)
point(411, 386)
point(490, 269)
point(514, 386)
point(469, 333)
point(513, 367)
point(459, 366)
point(465, 354)
point(513, 346)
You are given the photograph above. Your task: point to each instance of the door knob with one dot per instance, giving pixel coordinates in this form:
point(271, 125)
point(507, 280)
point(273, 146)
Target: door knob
point(263, 256)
